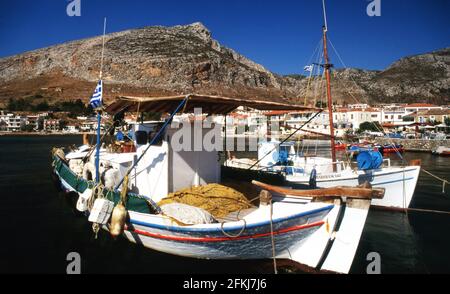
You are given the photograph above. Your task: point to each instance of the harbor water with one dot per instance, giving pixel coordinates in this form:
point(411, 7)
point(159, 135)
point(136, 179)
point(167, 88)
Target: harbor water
point(40, 229)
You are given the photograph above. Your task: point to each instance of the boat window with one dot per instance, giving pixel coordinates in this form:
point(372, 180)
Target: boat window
point(141, 137)
point(153, 133)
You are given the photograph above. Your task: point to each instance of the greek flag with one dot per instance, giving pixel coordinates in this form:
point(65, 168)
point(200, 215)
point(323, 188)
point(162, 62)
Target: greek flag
point(96, 99)
point(309, 68)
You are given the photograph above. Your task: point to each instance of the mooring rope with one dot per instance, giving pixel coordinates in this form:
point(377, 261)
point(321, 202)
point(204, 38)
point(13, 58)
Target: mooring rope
point(273, 239)
point(444, 181)
point(429, 211)
point(404, 188)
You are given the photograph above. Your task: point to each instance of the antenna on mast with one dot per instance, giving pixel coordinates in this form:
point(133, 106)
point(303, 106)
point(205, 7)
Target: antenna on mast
point(325, 15)
point(103, 48)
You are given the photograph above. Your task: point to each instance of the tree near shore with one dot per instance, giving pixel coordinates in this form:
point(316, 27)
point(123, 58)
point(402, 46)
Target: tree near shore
point(447, 121)
point(369, 126)
point(74, 107)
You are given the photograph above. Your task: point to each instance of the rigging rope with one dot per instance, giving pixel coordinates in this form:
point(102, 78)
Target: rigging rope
point(356, 100)
point(285, 140)
point(311, 70)
point(101, 139)
point(444, 182)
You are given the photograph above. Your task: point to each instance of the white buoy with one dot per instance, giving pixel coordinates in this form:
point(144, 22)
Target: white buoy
point(83, 199)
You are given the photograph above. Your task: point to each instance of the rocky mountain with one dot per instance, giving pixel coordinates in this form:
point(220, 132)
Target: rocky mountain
point(420, 78)
point(186, 59)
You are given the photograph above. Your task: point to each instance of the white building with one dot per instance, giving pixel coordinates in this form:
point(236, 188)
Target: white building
point(33, 120)
point(70, 129)
point(12, 122)
point(319, 125)
point(416, 107)
point(346, 118)
point(52, 125)
point(88, 126)
point(394, 115)
point(358, 106)
point(36, 120)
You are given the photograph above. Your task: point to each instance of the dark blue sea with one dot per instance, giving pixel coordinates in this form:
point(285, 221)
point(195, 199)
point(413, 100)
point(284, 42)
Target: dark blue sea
point(39, 228)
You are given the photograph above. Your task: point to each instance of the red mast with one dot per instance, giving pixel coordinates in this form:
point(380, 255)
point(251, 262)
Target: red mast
point(327, 67)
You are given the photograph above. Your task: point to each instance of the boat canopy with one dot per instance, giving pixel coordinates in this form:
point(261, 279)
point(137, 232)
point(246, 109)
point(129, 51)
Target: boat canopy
point(209, 104)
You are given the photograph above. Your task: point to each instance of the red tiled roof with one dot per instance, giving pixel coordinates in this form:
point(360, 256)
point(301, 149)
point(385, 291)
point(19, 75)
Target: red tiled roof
point(434, 112)
point(421, 105)
point(239, 116)
point(356, 110)
point(276, 112)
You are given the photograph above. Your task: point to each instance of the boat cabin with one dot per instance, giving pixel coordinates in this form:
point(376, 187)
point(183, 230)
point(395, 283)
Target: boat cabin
point(166, 167)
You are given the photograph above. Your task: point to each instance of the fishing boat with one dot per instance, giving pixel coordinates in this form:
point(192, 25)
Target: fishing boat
point(442, 151)
point(315, 171)
point(120, 192)
point(341, 146)
point(390, 149)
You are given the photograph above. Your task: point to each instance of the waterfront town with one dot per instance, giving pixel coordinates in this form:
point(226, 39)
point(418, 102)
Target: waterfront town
point(407, 121)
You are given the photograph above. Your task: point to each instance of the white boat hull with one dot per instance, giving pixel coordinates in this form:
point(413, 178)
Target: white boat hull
point(317, 243)
point(252, 243)
point(399, 183)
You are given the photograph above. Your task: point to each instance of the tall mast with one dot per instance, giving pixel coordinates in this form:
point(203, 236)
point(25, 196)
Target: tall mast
point(327, 67)
point(99, 115)
point(103, 48)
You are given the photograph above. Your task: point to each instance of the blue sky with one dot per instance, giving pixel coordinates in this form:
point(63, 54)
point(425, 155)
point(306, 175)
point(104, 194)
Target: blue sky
point(281, 35)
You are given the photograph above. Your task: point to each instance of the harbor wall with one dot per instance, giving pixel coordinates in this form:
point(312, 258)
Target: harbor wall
point(419, 145)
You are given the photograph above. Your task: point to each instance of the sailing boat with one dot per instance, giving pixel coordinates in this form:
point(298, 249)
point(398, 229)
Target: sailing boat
point(398, 181)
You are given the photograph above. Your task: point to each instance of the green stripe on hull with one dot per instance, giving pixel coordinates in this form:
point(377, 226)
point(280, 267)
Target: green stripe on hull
point(80, 185)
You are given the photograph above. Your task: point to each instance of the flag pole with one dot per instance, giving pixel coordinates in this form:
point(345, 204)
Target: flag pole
point(99, 116)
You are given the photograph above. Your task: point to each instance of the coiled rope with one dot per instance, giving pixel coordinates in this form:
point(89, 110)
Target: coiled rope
point(237, 219)
point(245, 226)
point(236, 236)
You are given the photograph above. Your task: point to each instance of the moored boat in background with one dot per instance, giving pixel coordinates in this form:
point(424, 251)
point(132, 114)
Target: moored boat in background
point(442, 151)
point(390, 148)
